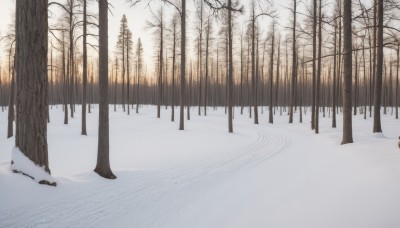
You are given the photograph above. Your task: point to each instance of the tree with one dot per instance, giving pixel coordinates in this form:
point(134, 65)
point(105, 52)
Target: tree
point(183, 65)
point(318, 82)
point(129, 48)
point(11, 71)
point(174, 41)
point(182, 12)
point(271, 75)
point(254, 80)
point(103, 150)
point(294, 72)
point(230, 74)
point(84, 70)
point(379, 65)
point(200, 31)
point(139, 65)
point(158, 25)
point(31, 74)
point(314, 71)
point(208, 38)
point(121, 44)
point(347, 70)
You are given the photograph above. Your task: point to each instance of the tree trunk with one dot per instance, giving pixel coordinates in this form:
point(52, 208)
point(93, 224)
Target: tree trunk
point(31, 75)
point(292, 86)
point(271, 77)
point(397, 83)
point(84, 73)
point(254, 81)
point(314, 73)
point(11, 114)
point(173, 73)
point(183, 64)
point(230, 75)
point(160, 70)
point(65, 82)
point(334, 77)
point(317, 96)
point(379, 65)
point(127, 73)
point(347, 81)
point(103, 161)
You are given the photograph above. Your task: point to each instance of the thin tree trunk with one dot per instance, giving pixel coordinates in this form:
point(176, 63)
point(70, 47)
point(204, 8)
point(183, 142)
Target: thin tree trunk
point(271, 76)
point(378, 84)
point(292, 86)
point(230, 75)
point(183, 64)
point(84, 73)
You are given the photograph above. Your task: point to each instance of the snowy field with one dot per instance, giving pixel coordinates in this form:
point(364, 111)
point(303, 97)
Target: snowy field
point(264, 175)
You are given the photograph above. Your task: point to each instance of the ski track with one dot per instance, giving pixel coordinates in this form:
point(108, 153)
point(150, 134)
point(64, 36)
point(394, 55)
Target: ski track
point(145, 194)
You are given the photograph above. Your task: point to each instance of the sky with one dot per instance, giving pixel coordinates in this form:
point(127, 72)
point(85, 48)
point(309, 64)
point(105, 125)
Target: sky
point(137, 17)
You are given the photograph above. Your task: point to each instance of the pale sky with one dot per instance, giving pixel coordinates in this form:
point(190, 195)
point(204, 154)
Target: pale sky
point(137, 17)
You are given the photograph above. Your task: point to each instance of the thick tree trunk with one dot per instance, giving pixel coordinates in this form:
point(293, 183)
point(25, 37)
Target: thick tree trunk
point(347, 81)
point(31, 75)
point(103, 161)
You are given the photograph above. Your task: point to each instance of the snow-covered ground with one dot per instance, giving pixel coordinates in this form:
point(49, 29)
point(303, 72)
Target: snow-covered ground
point(264, 175)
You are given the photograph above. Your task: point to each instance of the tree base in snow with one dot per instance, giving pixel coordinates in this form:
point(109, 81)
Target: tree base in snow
point(107, 175)
point(44, 182)
point(23, 165)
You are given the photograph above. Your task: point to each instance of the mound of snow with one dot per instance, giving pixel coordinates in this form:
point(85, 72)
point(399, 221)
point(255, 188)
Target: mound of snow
point(22, 164)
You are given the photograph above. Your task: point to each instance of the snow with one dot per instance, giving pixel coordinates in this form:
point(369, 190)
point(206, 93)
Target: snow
point(22, 164)
point(280, 175)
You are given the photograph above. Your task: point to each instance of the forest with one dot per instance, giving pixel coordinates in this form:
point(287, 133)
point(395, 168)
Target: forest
point(203, 104)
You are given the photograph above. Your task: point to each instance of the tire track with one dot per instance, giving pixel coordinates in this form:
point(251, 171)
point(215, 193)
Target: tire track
point(148, 195)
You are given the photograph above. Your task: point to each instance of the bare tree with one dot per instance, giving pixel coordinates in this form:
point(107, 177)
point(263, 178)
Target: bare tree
point(271, 75)
point(139, 65)
point(103, 160)
point(347, 80)
point(379, 65)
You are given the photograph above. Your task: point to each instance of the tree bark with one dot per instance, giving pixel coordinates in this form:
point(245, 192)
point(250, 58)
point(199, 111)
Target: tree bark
point(379, 65)
point(347, 81)
point(183, 62)
point(31, 76)
point(84, 73)
point(317, 96)
point(103, 161)
point(271, 77)
point(230, 75)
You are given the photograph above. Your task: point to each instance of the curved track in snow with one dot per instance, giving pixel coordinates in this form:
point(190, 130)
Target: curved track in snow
point(137, 198)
